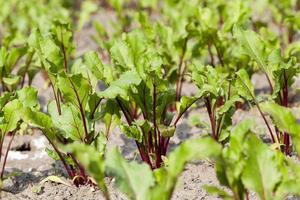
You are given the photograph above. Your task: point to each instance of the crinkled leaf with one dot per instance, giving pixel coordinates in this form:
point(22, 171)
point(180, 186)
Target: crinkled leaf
point(28, 96)
point(122, 54)
point(75, 89)
point(253, 46)
point(48, 51)
point(132, 131)
point(69, 121)
point(166, 131)
point(121, 86)
point(94, 64)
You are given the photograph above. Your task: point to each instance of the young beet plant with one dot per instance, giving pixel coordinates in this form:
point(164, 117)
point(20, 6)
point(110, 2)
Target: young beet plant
point(220, 96)
point(279, 71)
point(73, 113)
point(144, 94)
point(15, 64)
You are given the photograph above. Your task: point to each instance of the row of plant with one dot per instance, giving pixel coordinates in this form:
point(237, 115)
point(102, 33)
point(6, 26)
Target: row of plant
point(144, 63)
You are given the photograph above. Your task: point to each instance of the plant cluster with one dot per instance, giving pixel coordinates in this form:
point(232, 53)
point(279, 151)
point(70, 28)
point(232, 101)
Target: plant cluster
point(136, 79)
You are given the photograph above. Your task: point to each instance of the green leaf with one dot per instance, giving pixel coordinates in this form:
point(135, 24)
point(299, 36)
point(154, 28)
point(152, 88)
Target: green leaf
point(132, 131)
point(128, 175)
point(210, 81)
point(231, 164)
point(261, 172)
point(253, 46)
point(48, 51)
point(94, 64)
point(284, 121)
point(148, 3)
point(69, 121)
point(190, 150)
point(87, 8)
point(75, 89)
point(117, 4)
point(110, 115)
point(185, 103)
point(13, 56)
point(121, 86)
point(28, 96)
point(63, 36)
point(11, 116)
point(100, 142)
point(290, 184)
point(282, 117)
point(122, 54)
point(213, 190)
point(11, 81)
point(4, 99)
point(224, 109)
point(166, 131)
point(244, 86)
point(37, 119)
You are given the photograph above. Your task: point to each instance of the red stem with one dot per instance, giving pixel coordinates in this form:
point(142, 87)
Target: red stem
point(56, 100)
point(181, 114)
point(220, 57)
point(266, 122)
point(212, 60)
point(144, 155)
point(64, 53)
point(211, 117)
point(178, 91)
point(81, 169)
point(69, 171)
point(154, 116)
point(28, 61)
point(259, 109)
point(181, 81)
point(86, 134)
point(6, 154)
point(286, 137)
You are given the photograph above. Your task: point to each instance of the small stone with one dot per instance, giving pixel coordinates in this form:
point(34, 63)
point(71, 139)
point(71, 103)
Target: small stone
point(8, 184)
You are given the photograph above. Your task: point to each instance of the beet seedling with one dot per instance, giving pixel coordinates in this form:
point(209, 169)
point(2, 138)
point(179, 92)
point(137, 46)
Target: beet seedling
point(280, 73)
point(218, 93)
point(75, 110)
point(144, 95)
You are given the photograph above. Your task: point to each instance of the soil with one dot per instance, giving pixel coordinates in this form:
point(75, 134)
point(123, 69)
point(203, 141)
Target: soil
point(30, 164)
